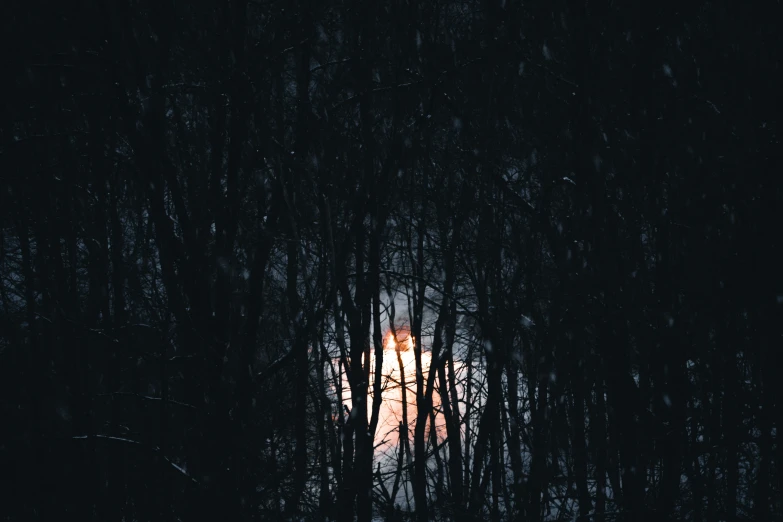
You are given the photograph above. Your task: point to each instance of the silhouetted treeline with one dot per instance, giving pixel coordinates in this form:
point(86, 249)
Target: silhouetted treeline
point(221, 221)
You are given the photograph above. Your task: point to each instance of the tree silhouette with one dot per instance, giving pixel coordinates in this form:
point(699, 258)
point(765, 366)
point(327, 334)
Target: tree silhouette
point(224, 224)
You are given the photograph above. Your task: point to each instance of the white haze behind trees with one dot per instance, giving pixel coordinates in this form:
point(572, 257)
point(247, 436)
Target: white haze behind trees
point(387, 434)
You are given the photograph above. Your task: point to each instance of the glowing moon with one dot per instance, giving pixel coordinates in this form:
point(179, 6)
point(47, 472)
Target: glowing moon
point(390, 414)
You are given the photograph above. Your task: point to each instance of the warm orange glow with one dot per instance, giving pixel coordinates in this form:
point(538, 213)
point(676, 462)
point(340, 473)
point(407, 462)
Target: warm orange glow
point(404, 341)
point(390, 414)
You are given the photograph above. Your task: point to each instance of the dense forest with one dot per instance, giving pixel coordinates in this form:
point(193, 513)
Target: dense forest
point(391, 260)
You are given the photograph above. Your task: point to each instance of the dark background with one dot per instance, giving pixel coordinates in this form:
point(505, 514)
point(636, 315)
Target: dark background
point(204, 205)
